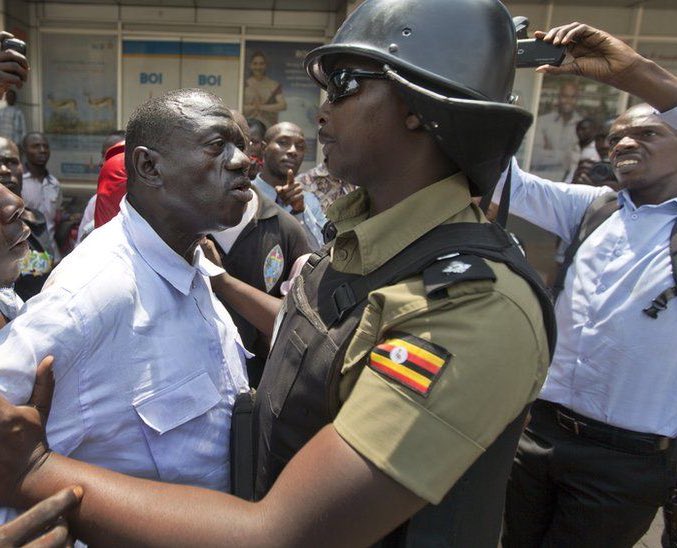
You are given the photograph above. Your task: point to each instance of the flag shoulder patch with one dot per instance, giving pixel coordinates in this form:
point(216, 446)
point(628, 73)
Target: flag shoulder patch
point(410, 361)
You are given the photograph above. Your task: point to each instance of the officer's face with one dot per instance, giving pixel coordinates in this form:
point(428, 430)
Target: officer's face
point(359, 132)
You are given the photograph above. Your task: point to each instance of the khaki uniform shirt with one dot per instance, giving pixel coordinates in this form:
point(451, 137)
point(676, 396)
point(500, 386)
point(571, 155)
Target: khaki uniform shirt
point(486, 340)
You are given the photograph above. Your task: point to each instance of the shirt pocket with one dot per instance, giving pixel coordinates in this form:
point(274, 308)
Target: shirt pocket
point(186, 426)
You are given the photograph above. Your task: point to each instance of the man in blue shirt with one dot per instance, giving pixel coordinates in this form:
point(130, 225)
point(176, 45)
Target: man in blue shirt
point(285, 146)
point(593, 465)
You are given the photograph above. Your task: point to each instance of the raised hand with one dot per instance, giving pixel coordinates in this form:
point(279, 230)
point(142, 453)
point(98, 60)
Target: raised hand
point(291, 193)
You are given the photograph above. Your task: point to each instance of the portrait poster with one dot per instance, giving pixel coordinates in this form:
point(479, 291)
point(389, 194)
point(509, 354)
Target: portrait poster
point(663, 54)
point(151, 67)
point(79, 100)
point(277, 89)
point(564, 102)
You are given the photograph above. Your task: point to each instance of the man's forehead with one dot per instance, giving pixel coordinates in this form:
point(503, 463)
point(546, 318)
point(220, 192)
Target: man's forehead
point(638, 117)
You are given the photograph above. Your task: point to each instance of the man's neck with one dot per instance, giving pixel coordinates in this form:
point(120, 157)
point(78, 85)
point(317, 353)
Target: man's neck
point(181, 243)
point(37, 172)
point(270, 179)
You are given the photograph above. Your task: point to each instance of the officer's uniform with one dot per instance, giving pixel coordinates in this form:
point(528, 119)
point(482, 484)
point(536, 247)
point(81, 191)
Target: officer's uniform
point(423, 385)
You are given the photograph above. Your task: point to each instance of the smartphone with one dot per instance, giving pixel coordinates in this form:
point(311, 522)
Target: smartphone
point(14, 43)
point(534, 53)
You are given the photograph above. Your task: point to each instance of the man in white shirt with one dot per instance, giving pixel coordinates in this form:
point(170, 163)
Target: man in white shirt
point(12, 120)
point(147, 361)
point(596, 460)
point(41, 190)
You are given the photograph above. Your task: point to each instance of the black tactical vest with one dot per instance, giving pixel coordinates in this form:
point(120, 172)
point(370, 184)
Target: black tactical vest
point(299, 395)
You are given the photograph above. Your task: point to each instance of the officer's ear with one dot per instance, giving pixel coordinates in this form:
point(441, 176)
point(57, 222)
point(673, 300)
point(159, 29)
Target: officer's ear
point(146, 161)
point(412, 122)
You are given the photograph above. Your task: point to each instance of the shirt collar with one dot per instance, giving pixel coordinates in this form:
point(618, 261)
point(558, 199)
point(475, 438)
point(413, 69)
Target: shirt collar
point(364, 243)
point(160, 257)
point(625, 201)
point(267, 190)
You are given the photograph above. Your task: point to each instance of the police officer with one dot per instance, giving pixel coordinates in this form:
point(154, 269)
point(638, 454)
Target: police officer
point(407, 352)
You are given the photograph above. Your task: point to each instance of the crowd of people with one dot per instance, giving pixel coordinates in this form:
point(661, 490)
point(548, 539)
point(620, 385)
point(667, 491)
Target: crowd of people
point(239, 354)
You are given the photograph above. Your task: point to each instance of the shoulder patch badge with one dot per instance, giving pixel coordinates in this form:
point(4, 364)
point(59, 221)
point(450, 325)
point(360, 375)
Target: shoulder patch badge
point(273, 267)
point(410, 361)
point(453, 269)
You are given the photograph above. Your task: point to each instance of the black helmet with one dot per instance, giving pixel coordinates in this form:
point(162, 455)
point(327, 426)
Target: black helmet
point(455, 63)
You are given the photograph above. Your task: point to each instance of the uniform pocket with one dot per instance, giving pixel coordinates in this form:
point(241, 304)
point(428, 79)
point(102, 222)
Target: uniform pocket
point(186, 431)
point(294, 351)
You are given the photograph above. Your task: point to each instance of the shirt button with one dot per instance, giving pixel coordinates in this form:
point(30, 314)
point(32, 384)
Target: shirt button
point(589, 323)
point(602, 288)
point(634, 216)
point(193, 285)
point(618, 253)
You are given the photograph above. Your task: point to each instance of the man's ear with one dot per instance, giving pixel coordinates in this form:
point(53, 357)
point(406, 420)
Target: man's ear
point(145, 161)
point(412, 122)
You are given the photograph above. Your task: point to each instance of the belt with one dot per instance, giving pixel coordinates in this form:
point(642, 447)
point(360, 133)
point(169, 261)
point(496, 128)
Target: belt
point(612, 436)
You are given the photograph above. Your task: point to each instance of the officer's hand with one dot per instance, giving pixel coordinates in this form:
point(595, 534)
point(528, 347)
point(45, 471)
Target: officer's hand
point(291, 193)
point(210, 251)
point(22, 433)
point(13, 66)
point(43, 526)
point(596, 54)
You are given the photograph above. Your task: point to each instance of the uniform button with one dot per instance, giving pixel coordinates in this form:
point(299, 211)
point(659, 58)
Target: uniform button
point(341, 254)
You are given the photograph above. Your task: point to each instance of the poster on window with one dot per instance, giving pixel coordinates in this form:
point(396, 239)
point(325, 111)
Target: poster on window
point(152, 67)
point(277, 88)
point(79, 102)
point(572, 112)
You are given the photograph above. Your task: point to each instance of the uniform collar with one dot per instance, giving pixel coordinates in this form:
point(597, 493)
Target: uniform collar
point(160, 257)
point(364, 243)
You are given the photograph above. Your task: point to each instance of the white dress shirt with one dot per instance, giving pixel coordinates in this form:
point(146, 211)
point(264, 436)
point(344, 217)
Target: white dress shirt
point(612, 362)
point(147, 360)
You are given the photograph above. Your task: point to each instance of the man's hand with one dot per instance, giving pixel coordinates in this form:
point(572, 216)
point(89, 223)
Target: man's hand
point(13, 66)
point(602, 57)
point(22, 433)
point(291, 193)
point(43, 525)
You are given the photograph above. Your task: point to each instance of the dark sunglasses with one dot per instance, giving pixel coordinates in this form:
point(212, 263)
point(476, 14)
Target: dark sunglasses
point(345, 82)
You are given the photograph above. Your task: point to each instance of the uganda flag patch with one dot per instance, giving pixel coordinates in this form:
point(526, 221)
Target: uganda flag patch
point(410, 361)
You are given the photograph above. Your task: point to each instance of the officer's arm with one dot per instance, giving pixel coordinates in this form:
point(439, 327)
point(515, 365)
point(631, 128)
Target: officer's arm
point(602, 57)
point(328, 495)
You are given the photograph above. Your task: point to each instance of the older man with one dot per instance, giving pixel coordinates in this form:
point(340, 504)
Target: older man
point(148, 362)
point(597, 458)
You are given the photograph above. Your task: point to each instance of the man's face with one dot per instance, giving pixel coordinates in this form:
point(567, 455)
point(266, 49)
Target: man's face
point(359, 132)
point(37, 150)
point(203, 167)
point(10, 97)
point(13, 235)
point(285, 151)
point(585, 131)
point(643, 152)
point(568, 97)
point(11, 171)
point(255, 142)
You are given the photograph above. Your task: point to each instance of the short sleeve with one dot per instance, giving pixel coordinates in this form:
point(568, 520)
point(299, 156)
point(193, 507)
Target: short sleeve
point(484, 353)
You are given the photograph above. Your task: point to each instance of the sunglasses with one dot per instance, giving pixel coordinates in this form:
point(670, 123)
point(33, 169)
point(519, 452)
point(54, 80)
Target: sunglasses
point(345, 82)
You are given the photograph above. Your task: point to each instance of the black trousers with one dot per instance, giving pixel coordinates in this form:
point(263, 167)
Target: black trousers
point(568, 491)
